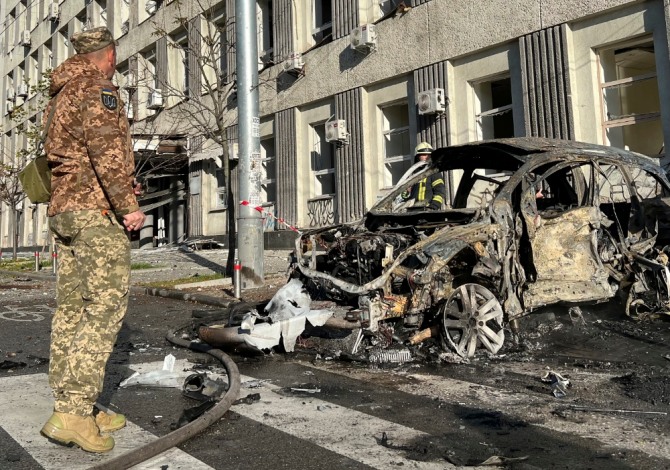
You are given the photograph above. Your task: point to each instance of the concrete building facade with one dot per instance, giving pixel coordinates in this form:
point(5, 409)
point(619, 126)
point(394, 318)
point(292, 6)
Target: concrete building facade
point(347, 89)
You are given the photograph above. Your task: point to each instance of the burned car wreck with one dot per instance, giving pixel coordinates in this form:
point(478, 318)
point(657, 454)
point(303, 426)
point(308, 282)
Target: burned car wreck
point(532, 222)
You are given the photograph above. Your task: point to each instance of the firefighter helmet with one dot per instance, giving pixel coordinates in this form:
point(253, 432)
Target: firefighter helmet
point(423, 148)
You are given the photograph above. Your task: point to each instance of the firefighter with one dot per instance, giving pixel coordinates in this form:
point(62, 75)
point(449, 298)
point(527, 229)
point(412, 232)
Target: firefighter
point(430, 192)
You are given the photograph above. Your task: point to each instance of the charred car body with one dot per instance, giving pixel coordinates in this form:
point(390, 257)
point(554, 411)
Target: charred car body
point(532, 222)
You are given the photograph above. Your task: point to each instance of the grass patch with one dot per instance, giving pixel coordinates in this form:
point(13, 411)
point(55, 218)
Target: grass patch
point(23, 264)
point(184, 280)
point(141, 265)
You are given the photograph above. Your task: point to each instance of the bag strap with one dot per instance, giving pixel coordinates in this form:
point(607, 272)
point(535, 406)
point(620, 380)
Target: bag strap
point(45, 131)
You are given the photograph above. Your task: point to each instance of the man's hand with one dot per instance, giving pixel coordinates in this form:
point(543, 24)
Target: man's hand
point(137, 188)
point(134, 220)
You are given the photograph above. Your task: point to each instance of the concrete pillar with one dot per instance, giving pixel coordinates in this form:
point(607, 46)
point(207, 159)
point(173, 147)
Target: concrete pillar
point(147, 233)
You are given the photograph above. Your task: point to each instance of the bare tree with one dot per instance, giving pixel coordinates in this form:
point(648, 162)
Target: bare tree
point(207, 92)
point(27, 116)
point(11, 194)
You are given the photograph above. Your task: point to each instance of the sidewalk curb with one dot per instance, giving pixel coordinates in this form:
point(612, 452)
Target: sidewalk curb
point(185, 296)
point(153, 291)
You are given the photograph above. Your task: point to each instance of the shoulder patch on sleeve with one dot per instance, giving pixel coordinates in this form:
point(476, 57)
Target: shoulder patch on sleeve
point(109, 99)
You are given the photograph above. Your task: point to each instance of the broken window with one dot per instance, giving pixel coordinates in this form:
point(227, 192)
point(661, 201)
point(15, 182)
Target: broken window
point(493, 104)
point(397, 149)
point(631, 113)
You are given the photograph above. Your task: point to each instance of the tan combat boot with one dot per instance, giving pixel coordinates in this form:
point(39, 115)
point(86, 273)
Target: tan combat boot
point(109, 422)
point(71, 429)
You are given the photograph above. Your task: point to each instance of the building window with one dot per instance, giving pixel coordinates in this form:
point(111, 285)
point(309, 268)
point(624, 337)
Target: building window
point(179, 71)
point(221, 195)
point(148, 69)
point(631, 114)
point(323, 20)
point(217, 31)
point(268, 171)
point(323, 163)
point(125, 16)
point(101, 18)
point(493, 108)
point(387, 6)
point(397, 151)
point(265, 32)
point(269, 184)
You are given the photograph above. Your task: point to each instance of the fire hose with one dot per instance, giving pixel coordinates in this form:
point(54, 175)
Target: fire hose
point(191, 429)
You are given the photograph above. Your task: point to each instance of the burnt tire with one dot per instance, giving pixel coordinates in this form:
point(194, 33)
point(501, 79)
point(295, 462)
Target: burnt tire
point(472, 317)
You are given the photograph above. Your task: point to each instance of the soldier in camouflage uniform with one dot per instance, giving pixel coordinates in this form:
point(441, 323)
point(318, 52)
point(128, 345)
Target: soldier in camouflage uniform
point(93, 205)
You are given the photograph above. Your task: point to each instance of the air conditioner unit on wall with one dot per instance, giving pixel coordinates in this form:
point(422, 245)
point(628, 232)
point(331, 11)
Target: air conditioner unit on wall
point(155, 99)
point(10, 94)
point(24, 40)
point(294, 64)
point(336, 131)
point(432, 101)
point(9, 107)
point(364, 38)
point(130, 81)
point(53, 11)
point(22, 90)
point(150, 7)
point(129, 111)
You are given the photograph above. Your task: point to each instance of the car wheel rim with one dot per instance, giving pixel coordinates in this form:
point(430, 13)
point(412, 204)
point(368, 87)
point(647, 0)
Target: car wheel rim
point(473, 317)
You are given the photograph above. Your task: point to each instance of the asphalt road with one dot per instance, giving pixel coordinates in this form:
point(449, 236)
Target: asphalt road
point(316, 412)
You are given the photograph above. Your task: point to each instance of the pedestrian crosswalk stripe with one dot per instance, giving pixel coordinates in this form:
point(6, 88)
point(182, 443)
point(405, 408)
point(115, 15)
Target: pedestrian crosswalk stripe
point(330, 426)
point(26, 402)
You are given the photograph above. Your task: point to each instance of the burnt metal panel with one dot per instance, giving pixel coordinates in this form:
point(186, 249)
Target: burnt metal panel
point(432, 128)
point(230, 41)
point(546, 83)
point(282, 13)
point(345, 17)
point(162, 63)
point(286, 158)
point(350, 158)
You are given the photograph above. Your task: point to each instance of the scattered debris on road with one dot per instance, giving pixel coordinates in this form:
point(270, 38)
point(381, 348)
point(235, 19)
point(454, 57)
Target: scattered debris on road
point(559, 384)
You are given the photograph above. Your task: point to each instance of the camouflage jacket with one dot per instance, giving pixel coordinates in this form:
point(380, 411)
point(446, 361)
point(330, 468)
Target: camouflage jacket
point(88, 145)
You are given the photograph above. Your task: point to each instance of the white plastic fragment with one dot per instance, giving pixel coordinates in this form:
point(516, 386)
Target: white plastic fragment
point(290, 301)
point(288, 310)
point(166, 377)
point(559, 384)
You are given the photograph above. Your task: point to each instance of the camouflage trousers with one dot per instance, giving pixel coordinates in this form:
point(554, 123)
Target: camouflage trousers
point(92, 294)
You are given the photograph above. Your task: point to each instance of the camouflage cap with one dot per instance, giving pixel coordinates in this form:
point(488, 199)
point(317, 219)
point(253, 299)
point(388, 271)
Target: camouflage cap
point(92, 40)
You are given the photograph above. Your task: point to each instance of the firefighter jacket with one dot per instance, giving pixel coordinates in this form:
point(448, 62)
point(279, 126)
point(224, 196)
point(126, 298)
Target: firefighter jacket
point(88, 145)
point(429, 192)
